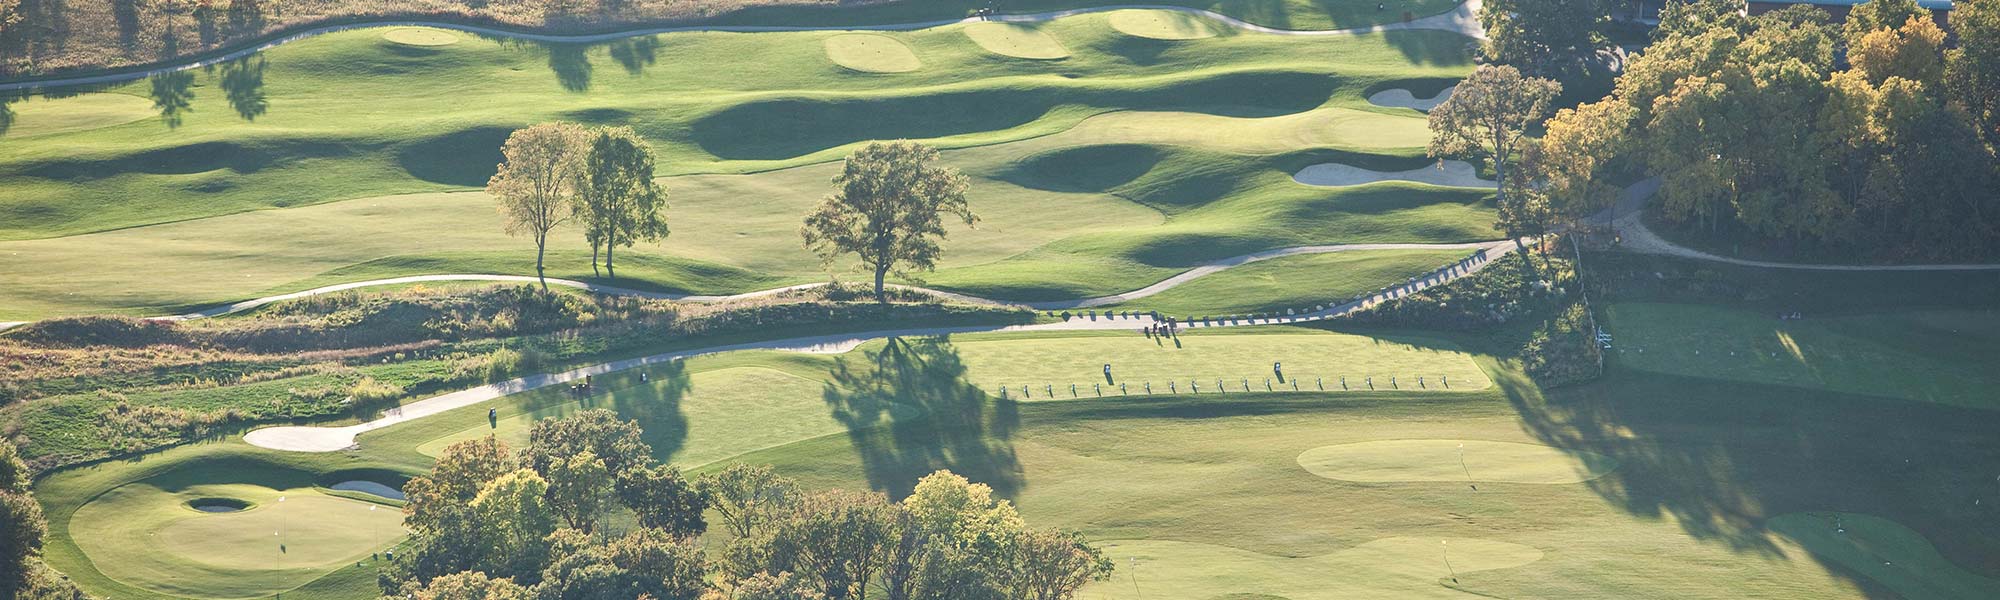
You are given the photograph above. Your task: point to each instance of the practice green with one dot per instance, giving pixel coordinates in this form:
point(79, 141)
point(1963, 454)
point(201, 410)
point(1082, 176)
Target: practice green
point(41, 115)
point(871, 53)
point(1019, 40)
point(1160, 24)
point(1453, 460)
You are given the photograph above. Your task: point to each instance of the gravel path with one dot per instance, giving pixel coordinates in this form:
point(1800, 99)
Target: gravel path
point(1463, 20)
point(329, 439)
point(1636, 237)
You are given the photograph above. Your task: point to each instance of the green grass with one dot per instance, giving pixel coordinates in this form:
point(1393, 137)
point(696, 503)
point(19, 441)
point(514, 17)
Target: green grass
point(1160, 24)
point(341, 146)
point(1886, 552)
point(1941, 356)
point(693, 419)
point(1019, 40)
point(1310, 357)
point(871, 53)
point(46, 116)
point(1293, 282)
point(1210, 491)
point(1470, 461)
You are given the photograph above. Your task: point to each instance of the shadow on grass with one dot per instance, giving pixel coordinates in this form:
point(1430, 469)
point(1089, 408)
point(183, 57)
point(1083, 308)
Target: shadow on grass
point(961, 429)
point(656, 405)
point(1719, 458)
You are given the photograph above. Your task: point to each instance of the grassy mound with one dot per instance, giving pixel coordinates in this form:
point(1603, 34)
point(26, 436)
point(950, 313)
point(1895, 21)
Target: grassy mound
point(1939, 356)
point(1886, 552)
point(1161, 24)
point(420, 36)
point(1019, 40)
point(871, 53)
point(1440, 460)
point(1310, 358)
point(44, 115)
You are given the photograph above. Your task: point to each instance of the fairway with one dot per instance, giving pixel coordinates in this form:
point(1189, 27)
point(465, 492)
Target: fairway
point(1453, 460)
point(871, 53)
point(1312, 359)
point(41, 115)
point(145, 534)
point(691, 420)
point(1397, 567)
point(1943, 356)
point(1019, 40)
point(1160, 24)
point(1886, 552)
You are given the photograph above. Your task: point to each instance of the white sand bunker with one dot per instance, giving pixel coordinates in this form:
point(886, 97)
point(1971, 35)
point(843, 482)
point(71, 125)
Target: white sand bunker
point(420, 36)
point(1452, 173)
point(872, 53)
point(1402, 98)
point(1475, 461)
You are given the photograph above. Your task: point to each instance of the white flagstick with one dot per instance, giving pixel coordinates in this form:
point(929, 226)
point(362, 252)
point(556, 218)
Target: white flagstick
point(1447, 560)
point(1468, 470)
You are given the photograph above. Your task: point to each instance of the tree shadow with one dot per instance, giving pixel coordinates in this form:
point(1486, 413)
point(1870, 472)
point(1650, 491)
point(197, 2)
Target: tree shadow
point(960, 428)
point(1431, 47)
point(243, 83)
point(571, 63)
point(173, 95)
point(1719, 458)
point(636, 54)
point(656, 405)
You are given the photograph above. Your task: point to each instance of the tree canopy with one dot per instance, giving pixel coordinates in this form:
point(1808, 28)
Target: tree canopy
point(887, 209)
point(619, 203)
point(540, 173)
point(1484, 119)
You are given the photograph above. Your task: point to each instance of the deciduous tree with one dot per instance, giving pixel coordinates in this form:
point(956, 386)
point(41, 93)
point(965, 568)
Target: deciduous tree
point(1972, 70)
point(540, 173)
point(661, 499)
point(747, 497)
point(887, 209)
point(579, 490)
point(619, 203)
point(1484, 118)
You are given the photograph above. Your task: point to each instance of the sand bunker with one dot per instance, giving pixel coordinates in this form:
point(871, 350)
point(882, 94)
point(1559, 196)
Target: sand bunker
point(1402, 98)
point(871, 53)
point(1453, 173)
point(1018, 40)
point(420, 36)
point(1386, 461)
point(1160, 24)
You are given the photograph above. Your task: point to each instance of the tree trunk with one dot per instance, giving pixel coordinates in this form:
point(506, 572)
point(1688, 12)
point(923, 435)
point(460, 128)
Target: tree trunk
point(610, 272)
point(593, 259)
point(541, 250)
point(881, 272)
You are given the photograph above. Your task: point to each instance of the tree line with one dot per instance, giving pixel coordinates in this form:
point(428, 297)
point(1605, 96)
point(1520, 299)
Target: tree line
point(23, 576)
point(887, 208)
point(585, 512)
point(1877, 136)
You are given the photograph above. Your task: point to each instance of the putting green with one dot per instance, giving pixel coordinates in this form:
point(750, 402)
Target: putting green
point(1396, 567)
point(1160, 24)
point(40, 115)
point(871, 53)
point(1203, 357)
point(145, 534)
point(1887, 552)
point(1018, 40)
point(701, 418)
point(420, 36)
point(1387, 461)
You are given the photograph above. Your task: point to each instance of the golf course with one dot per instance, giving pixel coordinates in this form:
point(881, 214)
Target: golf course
point(1209, 300)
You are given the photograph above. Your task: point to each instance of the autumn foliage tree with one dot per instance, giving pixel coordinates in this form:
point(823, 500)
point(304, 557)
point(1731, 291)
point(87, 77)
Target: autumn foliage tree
point(538, 180)
point(1484, 119)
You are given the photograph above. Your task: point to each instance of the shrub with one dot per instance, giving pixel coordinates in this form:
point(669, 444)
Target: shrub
point(369, 391)
point(1563, 350)
point(506, 363)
